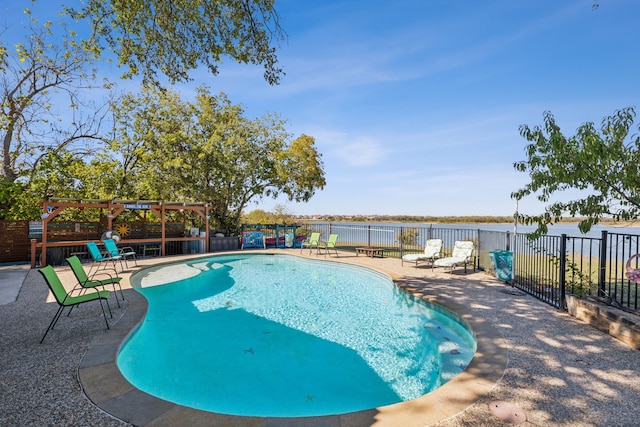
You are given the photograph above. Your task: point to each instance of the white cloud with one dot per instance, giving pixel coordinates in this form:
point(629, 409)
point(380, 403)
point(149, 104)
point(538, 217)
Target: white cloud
point(360, 152)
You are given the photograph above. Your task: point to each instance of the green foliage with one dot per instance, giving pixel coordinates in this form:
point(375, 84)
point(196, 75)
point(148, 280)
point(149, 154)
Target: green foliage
point(174, 38)
point(603, 165)
point(408, 236)
point(257, 216)
point(207, 150)
point(10, 192)
point(280, 215)
point(163, 148)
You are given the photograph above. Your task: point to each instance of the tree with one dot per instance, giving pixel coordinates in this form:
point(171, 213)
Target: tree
point(173, 37)
point(42, 114)
point(242, 160)
point(40, 109)
point(408, 236)
point(257, 216)
point(603, 165)
point(280, 215)
point(9, 193)
point(150, 37)
point(145, 158)
point(207, 150)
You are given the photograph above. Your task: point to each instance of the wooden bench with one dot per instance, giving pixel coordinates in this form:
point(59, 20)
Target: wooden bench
point(370, 251)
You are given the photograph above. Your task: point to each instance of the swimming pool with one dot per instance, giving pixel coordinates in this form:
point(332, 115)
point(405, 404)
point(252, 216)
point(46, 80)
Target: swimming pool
point(277, 335)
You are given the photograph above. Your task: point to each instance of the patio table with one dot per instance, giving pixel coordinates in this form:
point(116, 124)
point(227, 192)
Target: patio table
point(371, 251)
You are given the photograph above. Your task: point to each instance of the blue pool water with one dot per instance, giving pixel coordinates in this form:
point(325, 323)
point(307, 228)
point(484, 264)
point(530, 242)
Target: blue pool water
point(277, 335)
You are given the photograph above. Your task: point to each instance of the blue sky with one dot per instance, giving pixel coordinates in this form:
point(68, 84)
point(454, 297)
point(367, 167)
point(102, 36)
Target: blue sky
point(415, 105)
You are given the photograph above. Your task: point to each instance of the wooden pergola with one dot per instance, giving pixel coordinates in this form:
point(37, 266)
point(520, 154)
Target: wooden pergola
point(52, 207)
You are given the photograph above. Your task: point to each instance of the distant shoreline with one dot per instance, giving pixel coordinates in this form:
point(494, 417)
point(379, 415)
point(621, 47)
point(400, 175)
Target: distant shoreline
point(480, 219)
point(488, 219)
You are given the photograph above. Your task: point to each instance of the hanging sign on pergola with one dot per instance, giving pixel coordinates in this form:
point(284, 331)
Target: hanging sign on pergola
point(137, 206)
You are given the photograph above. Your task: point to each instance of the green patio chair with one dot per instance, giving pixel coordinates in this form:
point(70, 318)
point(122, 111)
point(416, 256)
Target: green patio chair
point(91, 282)
point(329, 244)
point(66, 299)
point(312, 241)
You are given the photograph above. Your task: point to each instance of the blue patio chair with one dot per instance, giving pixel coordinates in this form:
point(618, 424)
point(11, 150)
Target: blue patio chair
point(253, 239)
point(103, 258)
point(125, 252)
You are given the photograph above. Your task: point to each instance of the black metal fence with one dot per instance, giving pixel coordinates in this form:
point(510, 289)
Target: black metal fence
point(547, 267)
point(394, 240)
point(551, 266)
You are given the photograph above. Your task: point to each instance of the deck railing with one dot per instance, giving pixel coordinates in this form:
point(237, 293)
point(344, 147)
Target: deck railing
point(57, 252)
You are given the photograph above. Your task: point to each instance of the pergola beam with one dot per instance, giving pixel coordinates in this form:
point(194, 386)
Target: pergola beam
point(52, 207)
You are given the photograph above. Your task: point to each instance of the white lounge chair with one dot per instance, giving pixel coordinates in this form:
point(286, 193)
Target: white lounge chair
point(432, 250)
point(462, 255)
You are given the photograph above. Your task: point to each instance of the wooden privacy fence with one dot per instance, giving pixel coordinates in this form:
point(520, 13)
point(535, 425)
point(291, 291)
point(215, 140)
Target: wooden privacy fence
point(14, 241)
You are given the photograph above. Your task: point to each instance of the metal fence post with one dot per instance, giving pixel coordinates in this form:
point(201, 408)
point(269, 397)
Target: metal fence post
point(401, 241)
point(369, 235)
point(563, 270)
point(476, 260)
point(602, 272)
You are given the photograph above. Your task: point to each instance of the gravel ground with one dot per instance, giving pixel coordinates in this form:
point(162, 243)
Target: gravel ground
point(38, 382)
point(560, 372)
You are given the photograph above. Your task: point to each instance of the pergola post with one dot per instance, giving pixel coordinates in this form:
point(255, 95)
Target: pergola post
point(163, 232)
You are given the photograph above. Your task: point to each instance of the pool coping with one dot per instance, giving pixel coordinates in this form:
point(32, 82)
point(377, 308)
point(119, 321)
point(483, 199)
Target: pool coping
point(104, 384)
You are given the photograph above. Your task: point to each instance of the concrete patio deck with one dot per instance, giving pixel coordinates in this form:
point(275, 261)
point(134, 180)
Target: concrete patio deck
point(556, 370)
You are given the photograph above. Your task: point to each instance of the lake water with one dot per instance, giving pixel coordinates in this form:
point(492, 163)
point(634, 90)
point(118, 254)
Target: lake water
point(554, 230)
